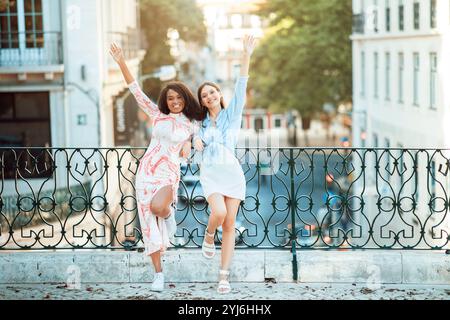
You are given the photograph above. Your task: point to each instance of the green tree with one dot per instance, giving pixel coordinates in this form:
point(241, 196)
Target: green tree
point(3, 4)
point(305, 59)
point(157, 18)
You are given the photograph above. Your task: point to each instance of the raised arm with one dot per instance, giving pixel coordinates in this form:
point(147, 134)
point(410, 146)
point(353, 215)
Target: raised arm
point(143, 101)
point(249, 46)
point(240, 92)
point(116, 52)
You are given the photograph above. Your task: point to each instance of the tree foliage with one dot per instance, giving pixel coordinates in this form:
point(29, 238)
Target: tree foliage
point(3, 4)
point(157, 18)
point(305, 59)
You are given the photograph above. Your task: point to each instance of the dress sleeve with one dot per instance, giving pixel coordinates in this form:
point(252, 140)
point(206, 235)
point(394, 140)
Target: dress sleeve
point(144, 102)
point(237, 103)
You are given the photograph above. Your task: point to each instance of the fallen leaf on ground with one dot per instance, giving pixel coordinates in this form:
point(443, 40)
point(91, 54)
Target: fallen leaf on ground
point(138, 298)
point(366, 291)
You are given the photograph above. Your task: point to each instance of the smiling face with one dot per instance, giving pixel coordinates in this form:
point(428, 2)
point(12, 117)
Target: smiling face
point(175, 102)
point(210, 97)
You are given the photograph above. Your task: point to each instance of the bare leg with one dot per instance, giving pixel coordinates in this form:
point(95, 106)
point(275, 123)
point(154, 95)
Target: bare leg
point(218, 213)
point(160, 205)
point(228, 233)
point(156, 260)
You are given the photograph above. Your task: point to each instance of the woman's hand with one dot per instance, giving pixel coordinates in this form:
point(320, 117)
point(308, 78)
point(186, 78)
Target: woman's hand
point(249, 44)
point(116, 52)
point(198, 144)
point(186, 149)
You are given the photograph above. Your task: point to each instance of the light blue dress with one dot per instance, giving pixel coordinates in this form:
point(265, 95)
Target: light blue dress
point(220, 171)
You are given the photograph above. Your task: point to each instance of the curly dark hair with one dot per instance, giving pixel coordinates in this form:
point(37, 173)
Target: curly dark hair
point(191, 110)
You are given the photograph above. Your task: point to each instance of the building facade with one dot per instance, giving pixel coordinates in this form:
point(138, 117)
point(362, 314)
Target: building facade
point(400, 65)
point(57, 81)
point(401, 55)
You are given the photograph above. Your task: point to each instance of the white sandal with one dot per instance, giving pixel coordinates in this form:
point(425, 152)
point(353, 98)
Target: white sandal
point(208, 249)
point(224, 285)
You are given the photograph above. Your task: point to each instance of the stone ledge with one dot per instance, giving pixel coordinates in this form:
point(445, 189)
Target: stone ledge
point(434, 270)
point(188, 265)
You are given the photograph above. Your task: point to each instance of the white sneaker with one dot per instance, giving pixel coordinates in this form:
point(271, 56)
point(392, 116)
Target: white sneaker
point(171, 224)
point(158, 282)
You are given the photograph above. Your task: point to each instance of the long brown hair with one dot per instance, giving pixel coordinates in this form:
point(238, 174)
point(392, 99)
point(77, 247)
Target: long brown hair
point(199, 94)
point(191, 110)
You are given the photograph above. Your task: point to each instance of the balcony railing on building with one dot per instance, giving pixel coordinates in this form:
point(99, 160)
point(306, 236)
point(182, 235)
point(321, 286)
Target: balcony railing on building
point(39, 48)
point(312, 198)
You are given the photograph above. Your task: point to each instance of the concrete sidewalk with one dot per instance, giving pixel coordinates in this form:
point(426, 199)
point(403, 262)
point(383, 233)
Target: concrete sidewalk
point(240, 291)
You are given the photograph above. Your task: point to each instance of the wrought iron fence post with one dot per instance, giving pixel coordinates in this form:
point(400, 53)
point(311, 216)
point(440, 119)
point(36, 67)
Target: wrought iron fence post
point(292, 205)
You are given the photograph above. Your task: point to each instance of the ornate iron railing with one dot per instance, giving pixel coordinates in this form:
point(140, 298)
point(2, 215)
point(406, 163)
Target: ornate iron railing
point(297, 198)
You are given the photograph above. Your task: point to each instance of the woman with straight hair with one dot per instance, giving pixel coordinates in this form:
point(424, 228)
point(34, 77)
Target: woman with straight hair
point(158, 175)
point(221, 175)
